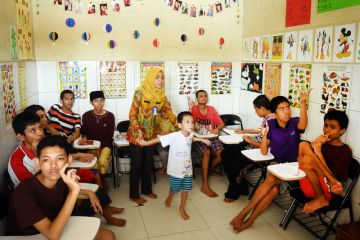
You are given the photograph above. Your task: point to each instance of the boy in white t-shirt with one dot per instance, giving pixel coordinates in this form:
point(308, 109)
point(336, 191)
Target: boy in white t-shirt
point(179, 164)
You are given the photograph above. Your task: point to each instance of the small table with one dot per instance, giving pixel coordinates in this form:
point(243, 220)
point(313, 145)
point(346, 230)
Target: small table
point(88, 186)
point(209, 135)
point(286, 171)
point(96, 145)
point(79, 164)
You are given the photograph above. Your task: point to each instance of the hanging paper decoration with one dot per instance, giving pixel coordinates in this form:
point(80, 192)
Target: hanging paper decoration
point(156, 42)
point(157, 22)
point(53, 37)
point(107, 28)
point(111, 44)
point(221, 41)
point(201, 31)
point(70, 22)
point(136, 34)
point(86, 37)
point(183, 38)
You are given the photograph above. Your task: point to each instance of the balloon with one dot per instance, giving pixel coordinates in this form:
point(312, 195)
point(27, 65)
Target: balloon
point(70, 22)
point(136, 34)
point(183, 38)
point(107, 28)
point(53, 37)
point(86, 37)
point(157, 21)
point(156, 42)
point(111, 44)
point(221, 41)
point(201, 31)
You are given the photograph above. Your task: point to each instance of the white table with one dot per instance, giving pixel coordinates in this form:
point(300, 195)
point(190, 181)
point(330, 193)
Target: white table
point(87, 186)
point(209, 135)
point(255, 155)
point(79, 164)
point(287, 171)
point(231, 139)
point(96, 144)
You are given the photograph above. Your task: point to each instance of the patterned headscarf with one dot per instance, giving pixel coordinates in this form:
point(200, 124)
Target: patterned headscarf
point(148, 89)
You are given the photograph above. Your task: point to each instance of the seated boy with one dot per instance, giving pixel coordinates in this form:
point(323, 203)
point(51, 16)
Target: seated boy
point(325, 162)
point(44, 202)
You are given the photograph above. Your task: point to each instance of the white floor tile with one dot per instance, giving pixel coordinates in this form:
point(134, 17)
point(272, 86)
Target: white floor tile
point(203, 234)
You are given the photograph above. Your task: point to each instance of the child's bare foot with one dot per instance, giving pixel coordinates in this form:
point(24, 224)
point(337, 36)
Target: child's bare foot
point(115, 221)
point(228, 200)
point(183, 214)
point(113, 210)
point(152, 195)
point(139, 200)
point(161, 171)
point(207, 191)
point(168, 202)
point(337, 188)
point(237, 221)
point(216, 174)
point(315, 204)
point(244, 225)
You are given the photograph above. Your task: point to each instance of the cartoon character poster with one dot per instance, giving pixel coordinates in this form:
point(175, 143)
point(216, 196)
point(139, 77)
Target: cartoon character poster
point(8, 91)
point(336, 88)
point(358, 45)
point(221, 75)
point(272, 79)
point(246, 48)
point(344, 43)
point(113, 78)
point(290, 46)
point(72, 76)
point(145, 66)
point(305, 45)
point(252, 77)
point(255, 47)
point(277, 47)
point(323, 41)
point(188, 75)
point(299, 81)
point(24, 30)
point(265, 47)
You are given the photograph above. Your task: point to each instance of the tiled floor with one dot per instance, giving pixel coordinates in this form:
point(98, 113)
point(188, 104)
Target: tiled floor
point(209, 217)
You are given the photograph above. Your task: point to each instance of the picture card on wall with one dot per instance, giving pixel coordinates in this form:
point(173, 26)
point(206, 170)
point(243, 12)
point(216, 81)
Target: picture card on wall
point(265, 48)
point(344, 43)
point(113, 79)
point(323, 43)
point(221, 76)
point(7, 78)
point(252, 77)
point(145, 66)
point(246, 49)
point(358, 45)
point(299, 81)
point(72, 76)
point(290, 46)
point(255, 47)
point(272, 79)
point(305, 46)
point(277, 47)
point(188, 77)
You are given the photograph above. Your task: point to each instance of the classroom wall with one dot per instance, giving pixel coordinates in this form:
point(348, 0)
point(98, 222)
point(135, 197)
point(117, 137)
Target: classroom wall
point(7, 17)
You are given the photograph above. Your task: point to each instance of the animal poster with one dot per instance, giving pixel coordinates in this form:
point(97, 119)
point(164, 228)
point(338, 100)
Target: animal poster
point(299, 81)
point(8, 91)
point(305, 44)
point(24, 31)
point(221, 75)
point(252, 77)
point(145, 66)
point(13, 43)
point(72, 76)
point(188, 75)
point(277, 47)
point(323, 41)
point(246, 48)
point(265, 47)
point(336, 88)
point(272, 79)
point(344, 43)
point(255, 47)
point(113, 79)
point(22, 85)
point(290, 46)
point(358, 45)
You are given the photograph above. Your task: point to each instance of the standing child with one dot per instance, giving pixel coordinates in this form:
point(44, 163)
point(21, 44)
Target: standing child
point(179, 165)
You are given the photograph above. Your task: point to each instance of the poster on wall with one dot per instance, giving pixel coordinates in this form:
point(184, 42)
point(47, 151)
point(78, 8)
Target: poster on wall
point(290, 46)
point(358, 45)
point(24, 31)
point(221, 75)
point(22, 85)
point(8, 91)
point(299, 81)
point(252, 77)
point(305, 44)
point(188, 75)
point(323, 41)
point(331, 5)
point(113, 78)
point(145, 66)
point(255, 47)
point(277, 47)
point(336, 87)
point(72, 76)
point(298, 12)
point(13, 43)
point(272, 79)
point(265, 48)
point(344, 43)
point(246, 48)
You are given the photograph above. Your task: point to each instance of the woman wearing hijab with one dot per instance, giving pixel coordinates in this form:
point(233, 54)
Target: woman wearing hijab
point(149, 99)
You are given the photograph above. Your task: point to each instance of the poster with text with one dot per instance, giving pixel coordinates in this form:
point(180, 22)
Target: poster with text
point(8, 91)
point(22, 85)
point(24, 30)
point(290, 46)
point(265, 49)
point(188, 75)
point(72, 76)
point(299, 81)
point(336, 87)
point(221, 75)
point(323, 41)
point(252, 77)
point(358, 45)
point(298, 12)
point(247, 48)
point(113, 79)
point(145, 66)
point(305, 45)
point(331, 5)
point(255, 47)
point(344, 43)
point(272, 79)
point(277, 47)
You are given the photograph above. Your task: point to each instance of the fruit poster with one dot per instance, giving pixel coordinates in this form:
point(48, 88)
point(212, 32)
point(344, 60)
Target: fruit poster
point(113, 78)
point(299, 81)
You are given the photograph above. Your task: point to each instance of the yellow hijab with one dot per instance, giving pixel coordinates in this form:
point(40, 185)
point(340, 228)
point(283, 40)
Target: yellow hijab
point(148, 89)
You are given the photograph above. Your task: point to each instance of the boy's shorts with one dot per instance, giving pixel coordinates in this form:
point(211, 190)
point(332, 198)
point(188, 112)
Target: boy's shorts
point(178, 184)
point(309, 191)
point(215, 146)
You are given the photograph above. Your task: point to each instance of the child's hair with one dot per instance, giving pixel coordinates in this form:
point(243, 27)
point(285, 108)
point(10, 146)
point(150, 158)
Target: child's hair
point(181, 116)
point(22, 120)
point(199, 91)
point(67, 91)
point(276, 101)
point(34, 108)
point(262, 101)
point(53, 141)
point(338, 116)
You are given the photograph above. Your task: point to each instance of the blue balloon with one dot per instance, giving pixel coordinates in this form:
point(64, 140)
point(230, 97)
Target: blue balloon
point(108, 27)
point(70, 22)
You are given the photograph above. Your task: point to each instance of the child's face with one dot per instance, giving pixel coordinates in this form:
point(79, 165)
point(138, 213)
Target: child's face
point(98, 103)
point(259, 111)
point(68, 101)
point(187, 124)
point(202, 98)
point(32, 134)
point(283, 112)
point(332, 129)
point(42, 116)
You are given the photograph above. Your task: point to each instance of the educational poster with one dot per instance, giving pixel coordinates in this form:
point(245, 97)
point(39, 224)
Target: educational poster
point(265, 47)
point(297, 12)
point(8, 90)
point(331, 5)
point(145, 66)
point(24, 31)
point(336, 88)
point(255, 47)
point(272, 79)
point(304, 52)
point(22, 85)
point(290, 46)
point(299, 81)
point(113, 79)
point(344, 43)
point(13, 43)
point(323, 41)
point(358, 45)
point(246, 48)
point(72, 76)
point(252, 77)
point(188, 75)
point(277, 47)
point(221, 75)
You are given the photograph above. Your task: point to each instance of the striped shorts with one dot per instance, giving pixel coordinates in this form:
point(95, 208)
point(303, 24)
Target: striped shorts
point(177, 184)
